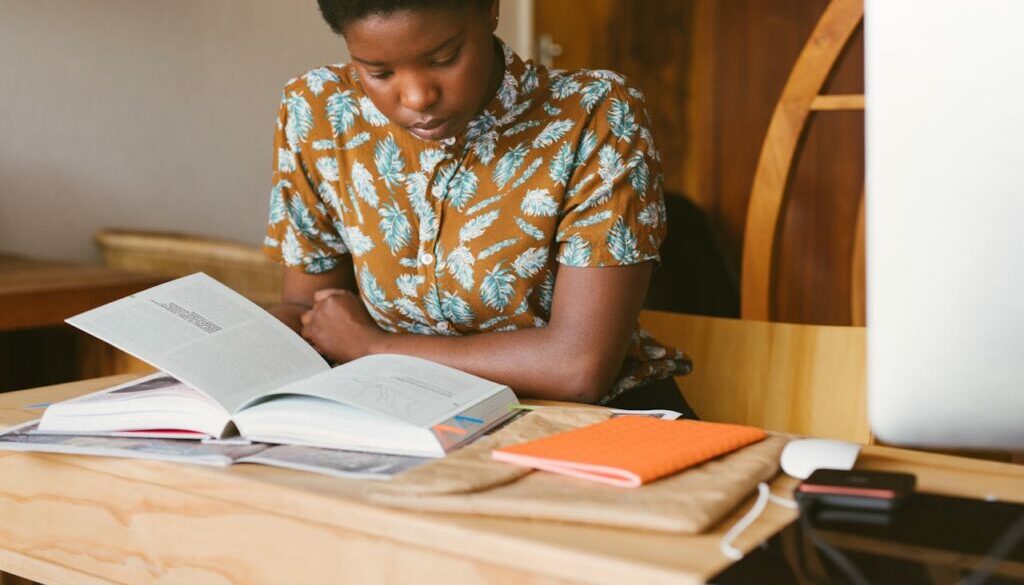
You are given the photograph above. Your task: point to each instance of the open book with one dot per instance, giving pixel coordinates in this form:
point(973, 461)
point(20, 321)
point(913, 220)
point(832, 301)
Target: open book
point(228, 365)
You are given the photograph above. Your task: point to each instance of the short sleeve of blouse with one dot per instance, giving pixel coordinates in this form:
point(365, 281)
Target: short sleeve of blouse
point(614, 211)
point(302, 230)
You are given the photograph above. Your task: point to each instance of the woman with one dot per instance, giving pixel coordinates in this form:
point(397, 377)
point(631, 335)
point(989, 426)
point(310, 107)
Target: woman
point(439, 197)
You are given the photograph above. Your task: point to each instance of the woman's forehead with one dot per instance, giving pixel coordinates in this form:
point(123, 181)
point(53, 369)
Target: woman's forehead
point(406, 35)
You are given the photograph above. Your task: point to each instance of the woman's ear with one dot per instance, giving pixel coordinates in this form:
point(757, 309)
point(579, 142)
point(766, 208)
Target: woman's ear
point(494, 11)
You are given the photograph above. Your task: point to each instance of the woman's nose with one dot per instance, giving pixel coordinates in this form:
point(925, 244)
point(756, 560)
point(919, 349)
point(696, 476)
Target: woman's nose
point(419, 96)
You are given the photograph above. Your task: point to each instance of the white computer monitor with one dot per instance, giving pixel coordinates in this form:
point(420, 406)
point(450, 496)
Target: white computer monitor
point(945, 222)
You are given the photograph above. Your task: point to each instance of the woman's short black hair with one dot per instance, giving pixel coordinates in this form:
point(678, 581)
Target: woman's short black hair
point(338, 13)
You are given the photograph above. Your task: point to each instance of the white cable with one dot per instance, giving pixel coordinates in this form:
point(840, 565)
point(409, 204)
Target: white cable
point(737, 529)
point(783, 501)
point(764, 495)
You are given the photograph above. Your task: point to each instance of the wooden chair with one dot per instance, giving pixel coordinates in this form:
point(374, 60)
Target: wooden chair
point(804, 379)
point(239, 266)
point(784, 139)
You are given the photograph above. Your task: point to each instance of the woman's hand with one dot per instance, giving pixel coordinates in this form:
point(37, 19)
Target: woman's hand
point(339, 326)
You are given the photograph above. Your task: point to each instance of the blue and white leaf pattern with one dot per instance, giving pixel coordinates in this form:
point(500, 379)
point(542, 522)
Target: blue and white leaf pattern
point(553, 132)
point(329, 196)
point(521, 127)
point(408, 284)
point(640, 176)
point(587, 145)
point(327, 166)
point(301, 219)
point(494, 249)
point(341, 111)
point(537, 202)
point(563, 86)
point(270, 242)
point(460, 265)
point(363, 181)
point(430, 158)
point(457, 310)
point(530, 262)
point(389, 161)
point(483, 147)
point(622, 243)
point(529, 80)
point(593, 93)
point(530, 229)
point(432, 302)
point(395, 228)
point(575, 252)
point(493, 321)
point(610, 163)
point(300, 120)
point(496, 287)
point(319, 262)
point(606, 74)
point(371, 291)
point(483, 204)
point(334, 241)
point(355, 203)
point(462, 188)
point(621, 120)
point(356, 141)
point(316, 78)
point(595, 219)
point(410, 309)
point(547, 292)
point(358, 242)
point(285, 160)
point(508, 93)
point(371, 114)
point(480, 125)
point(509, 163)
point(530, 170)
point(291, 250)
point(476, 227)
point(325, 144)
point(561, 165)
point(551, 110)
point(278, 210)
point(649, 215)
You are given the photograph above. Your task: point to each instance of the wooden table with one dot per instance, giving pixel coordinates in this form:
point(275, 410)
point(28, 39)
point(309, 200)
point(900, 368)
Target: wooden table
point(35, 297)
point(41, 293)
point(92, 520)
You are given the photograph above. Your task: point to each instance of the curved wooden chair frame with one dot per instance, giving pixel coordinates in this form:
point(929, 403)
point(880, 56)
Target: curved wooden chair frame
point(800, 97)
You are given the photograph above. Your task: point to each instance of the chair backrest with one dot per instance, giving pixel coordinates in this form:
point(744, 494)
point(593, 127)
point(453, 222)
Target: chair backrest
point(239, 266)
point(800, 97)
point(803, 379)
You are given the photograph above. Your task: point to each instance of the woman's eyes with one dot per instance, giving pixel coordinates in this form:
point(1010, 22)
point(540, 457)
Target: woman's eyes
point(446, 61)
point(380, 74)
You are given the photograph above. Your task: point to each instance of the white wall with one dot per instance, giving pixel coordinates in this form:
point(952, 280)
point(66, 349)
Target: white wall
point(150, 114)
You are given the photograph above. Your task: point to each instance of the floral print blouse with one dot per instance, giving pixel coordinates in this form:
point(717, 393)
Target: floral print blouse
point(465, 235)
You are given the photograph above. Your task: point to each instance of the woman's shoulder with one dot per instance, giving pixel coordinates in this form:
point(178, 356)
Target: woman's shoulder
point(324, 81)
point(594, 91)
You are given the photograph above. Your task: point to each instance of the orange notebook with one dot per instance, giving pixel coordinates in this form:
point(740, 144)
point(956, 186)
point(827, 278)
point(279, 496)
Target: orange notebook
point(628, 451)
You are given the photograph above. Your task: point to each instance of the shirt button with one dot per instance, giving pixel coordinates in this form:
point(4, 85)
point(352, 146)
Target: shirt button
point(426, 258)
point(442, 326)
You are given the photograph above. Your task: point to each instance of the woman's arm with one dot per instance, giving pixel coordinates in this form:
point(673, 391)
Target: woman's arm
point(298, 290)
point(576, 357)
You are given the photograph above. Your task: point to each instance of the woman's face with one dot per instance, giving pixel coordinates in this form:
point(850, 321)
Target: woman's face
point(430, 71)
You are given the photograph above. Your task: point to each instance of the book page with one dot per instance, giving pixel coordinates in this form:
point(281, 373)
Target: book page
point(409, 389)
point(206, 335)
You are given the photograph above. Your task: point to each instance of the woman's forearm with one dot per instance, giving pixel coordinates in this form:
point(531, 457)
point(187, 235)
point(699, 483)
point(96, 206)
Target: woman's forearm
point(536, 363)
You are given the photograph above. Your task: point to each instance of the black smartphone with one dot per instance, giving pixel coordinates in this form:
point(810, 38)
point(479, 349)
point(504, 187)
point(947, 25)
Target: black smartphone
point(866, 490)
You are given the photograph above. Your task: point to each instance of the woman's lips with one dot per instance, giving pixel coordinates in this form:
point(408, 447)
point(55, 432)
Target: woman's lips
point(432, 129)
